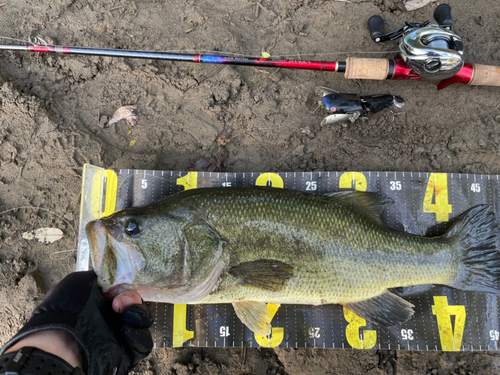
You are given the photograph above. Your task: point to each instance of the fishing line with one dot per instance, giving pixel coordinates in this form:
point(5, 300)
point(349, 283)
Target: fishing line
point(293, 124)
point(38, 41)
point(62, 251)
point(53, 213)
point(32, 40)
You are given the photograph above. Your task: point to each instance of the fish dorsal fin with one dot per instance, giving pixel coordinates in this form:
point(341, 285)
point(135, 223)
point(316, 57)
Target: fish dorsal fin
point(370, 202)
point(255, 315)
point(267, 274)
point(388, 309)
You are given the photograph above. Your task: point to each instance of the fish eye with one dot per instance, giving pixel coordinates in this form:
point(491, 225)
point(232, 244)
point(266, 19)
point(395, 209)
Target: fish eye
point(131, 228)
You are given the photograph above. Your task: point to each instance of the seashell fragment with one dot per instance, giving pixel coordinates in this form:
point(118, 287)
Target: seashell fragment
point(417, 4)
point(129, 113)
point(44, 235)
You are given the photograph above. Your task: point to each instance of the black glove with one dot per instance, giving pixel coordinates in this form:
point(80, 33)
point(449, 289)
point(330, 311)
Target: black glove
point(110, 343)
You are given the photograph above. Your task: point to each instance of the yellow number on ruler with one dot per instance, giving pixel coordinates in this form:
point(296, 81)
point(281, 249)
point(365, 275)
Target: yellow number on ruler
point(189, 181)
point(437, 186)
point(451, 340)
point(352, 332)
point(181, 334)
point(275, 180)
point(277, 334)
point(347, 179)
point(96, 193)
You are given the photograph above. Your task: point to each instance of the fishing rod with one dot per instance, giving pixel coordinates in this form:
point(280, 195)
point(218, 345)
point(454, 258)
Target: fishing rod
point(427, 50)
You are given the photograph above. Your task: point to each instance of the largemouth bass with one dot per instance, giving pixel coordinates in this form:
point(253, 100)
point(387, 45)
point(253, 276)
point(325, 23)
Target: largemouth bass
point(252, 246)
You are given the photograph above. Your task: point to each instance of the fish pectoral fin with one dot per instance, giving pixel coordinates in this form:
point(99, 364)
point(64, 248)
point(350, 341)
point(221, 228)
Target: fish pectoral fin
point(267, 274)
point(373, 203)
point(255, 315)
point(388, 309)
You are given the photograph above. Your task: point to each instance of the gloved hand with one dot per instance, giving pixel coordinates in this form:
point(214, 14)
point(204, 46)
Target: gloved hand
point(110, 343)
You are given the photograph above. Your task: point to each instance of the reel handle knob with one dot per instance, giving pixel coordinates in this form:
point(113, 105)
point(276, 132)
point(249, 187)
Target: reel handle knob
point(442, 15)
point(376, 27)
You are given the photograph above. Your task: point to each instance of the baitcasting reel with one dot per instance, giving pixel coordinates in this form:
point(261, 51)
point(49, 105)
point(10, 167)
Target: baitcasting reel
point(432, 51)
point(350, 107)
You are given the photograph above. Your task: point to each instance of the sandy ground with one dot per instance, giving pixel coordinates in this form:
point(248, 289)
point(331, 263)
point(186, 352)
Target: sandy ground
point(54, 108)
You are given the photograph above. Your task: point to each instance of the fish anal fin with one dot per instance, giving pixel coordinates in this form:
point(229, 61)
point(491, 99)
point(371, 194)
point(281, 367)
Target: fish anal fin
point(255, 315)
point(371, 202)
point(264, 274)
point(387, 309)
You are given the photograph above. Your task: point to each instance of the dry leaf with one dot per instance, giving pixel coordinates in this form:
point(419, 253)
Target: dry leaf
point(44, 235)
point(222, 141)
point(417, 4)
point(128, 113)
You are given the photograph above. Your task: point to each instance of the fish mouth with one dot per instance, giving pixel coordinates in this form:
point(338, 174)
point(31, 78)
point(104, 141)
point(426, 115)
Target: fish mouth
point(115, 262)
point(96, 235)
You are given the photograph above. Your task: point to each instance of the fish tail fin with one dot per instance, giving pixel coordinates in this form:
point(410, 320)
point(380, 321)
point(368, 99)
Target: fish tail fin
point(475, 235)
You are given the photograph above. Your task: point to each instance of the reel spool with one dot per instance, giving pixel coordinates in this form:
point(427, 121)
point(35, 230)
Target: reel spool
point(432, 51)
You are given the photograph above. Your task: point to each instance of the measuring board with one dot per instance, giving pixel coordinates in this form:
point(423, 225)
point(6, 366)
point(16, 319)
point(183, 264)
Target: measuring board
point(424, 203)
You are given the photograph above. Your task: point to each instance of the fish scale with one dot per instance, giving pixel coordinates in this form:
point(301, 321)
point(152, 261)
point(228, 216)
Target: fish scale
point(321, 254)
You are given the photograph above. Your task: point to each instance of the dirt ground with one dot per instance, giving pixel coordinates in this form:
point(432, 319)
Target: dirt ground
point(54, 108)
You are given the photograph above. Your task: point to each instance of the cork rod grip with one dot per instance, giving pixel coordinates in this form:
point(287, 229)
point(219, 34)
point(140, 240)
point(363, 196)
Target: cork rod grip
point(485, 75)
point(366, 68)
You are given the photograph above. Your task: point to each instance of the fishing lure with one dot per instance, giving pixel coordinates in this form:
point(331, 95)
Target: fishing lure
point(350, 107)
